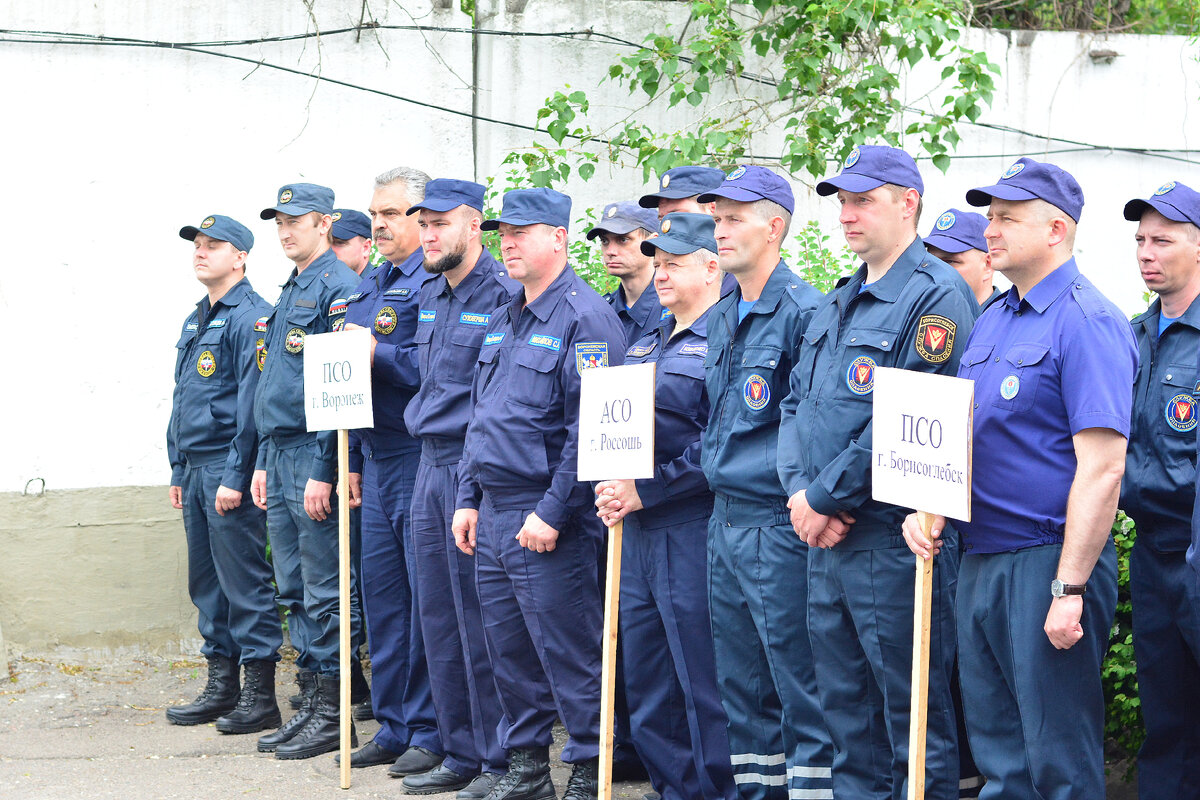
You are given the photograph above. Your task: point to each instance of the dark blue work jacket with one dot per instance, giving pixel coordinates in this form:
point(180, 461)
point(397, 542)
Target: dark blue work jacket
point(216, 373)
point(387, 302)
point(916, 317)
point(453, 322)
point(1160, 463)
point(523, 439)
point(746, 372)
point(643, 317)
point(678, 492)
point(312, 302)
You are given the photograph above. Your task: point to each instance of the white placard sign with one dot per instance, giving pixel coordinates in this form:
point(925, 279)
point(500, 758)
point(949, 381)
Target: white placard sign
point(921, 441)
point(616, 423)
point(337, 380)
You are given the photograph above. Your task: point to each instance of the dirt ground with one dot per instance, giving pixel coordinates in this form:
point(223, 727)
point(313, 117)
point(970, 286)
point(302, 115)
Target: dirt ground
point(97, 731)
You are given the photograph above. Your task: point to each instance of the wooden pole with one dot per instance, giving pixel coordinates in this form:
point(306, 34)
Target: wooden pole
point(608, 663)
point(343, 489)
point(919, 711)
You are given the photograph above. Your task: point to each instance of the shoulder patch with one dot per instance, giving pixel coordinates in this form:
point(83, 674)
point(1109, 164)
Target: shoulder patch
point(694, 349)
point(427, 315)
point(339, 325)
point(935, 338)
point(338, 306)
point(261, 324)
point(470, 318)
point(494, 338)
point(548, 342)
point(260, 354)
point(589, 355)
point(385, 320)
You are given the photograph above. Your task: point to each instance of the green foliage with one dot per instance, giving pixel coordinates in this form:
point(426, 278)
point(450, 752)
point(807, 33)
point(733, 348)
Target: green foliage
point(1134, 16)
point(817, 262)
point(1123, 728)
point(827, 73)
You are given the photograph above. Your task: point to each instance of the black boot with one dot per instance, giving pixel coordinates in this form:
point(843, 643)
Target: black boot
point(321, 733)
point(360, 691)
point(256, 708)
point(219, 697)
point(528, 777)
point(307, 680)
point(582, 785)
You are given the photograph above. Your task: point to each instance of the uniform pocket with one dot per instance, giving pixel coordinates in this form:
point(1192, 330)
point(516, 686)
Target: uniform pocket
point(533, 377)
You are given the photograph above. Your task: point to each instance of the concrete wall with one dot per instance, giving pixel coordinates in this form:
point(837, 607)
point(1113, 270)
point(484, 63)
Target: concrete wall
point(110, 150)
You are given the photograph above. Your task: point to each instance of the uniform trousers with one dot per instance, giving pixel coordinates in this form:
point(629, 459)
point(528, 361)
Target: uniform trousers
point(229, 576)
point(1035, 714)
point(758, 598)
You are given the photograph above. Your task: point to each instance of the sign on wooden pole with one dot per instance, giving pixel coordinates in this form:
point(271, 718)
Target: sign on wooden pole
point(616, 442)
point(921, 458)
point(337, 396)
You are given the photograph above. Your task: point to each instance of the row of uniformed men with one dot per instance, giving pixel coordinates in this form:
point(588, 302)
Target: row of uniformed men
point(807, 658)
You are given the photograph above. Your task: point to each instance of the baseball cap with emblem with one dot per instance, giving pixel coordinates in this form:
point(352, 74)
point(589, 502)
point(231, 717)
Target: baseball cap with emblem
point(624, 217)
point(348, 223)
point(681, 182)
point(1174, 200)
point(957, 231)
point(446, 194)
point(750, 183)
point(870, 166)
point(225, 229)
point(295, 199)
point(681, 232)
point(1034, 180)
point(532, 207)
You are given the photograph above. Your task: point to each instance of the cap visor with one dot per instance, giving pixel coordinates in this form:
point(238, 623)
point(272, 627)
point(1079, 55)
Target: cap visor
point(652, 200)
point(439, 205)
point(494, 224)
point(848, 182)
point(620, 228)
point(983, 196)
point(948, 243)
point(730, 193)
point(188, 232)
point(674, 245)
point(1135, 208)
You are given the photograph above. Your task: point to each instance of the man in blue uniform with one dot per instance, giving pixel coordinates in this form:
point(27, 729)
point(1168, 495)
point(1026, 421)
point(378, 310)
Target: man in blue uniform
point(351, 239)
point(212, 444)
point(756, 565)
point(957, 239)
point(670, 681)
point(383, 467)
point(1160, 476)
point(457, 303)
point(538, 539)
point(295, 471)
point(1053, 362)
point(903, 309)
point(621, 229)
point(679, 189)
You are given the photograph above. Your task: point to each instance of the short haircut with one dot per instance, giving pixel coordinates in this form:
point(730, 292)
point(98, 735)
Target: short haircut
point(414, 181)
point(898, 192)
point(1048, 211)
point(704, 256)
point(1192, 232)
point(766, 209)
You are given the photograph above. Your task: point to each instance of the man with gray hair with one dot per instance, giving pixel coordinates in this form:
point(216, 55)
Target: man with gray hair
point(383, 468)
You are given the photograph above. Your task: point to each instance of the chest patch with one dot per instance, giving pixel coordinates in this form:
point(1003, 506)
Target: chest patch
point(589, 355)
point(206, 364)
point(294, 341)
point(756, 392)
point(427, 315)
point(548, 342)
point(1009, 387)
point(860, 376)
point(935, 338)
point(401, 291)
point(1181, 412)
point(469, 318)
point(385, 320)
point(192, 326)
point(217, 323)
point(637, 351)
point(694, 349)
point(494, 338)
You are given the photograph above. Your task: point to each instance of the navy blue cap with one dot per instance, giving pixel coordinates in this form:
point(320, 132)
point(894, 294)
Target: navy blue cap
point(301, 198)
point(447, 194)
point(681, 182)
point(1175, 201)
point(532, 207)
point(223, 228)
point(348, 223)
point(870, 166)
point(1034, 180)
point(956, 231)
point(748, 184)
point(624, 217)
point(681, 232)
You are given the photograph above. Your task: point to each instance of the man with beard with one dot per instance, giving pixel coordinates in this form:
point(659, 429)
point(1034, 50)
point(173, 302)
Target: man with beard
point(383, 466)
point(456, 306)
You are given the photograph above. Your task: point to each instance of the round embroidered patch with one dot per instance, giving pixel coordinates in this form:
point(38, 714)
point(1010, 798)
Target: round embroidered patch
point(1166, 187)
point(852, 159)
point(1181, 412)
point(666, 181)
point(208, 222)
point(1013, 170)
point(294, 341)
point(860, 377)
point(756, 392)
point(666, 226)
point(1009, 387)
point(285, 196)
point(337, 215)
point(737, 173)
point(385, 320)
point(206, 364)
point(945, 221)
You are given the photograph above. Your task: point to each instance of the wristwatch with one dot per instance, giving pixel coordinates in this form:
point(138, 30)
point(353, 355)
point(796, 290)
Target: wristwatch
point(1060, 589)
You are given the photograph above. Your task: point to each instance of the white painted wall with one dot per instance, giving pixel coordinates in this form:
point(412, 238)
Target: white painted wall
point(110, 150)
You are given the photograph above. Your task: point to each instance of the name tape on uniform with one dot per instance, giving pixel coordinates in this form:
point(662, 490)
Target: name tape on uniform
point(921, 441)
point(616, 423)
point(337, 380)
